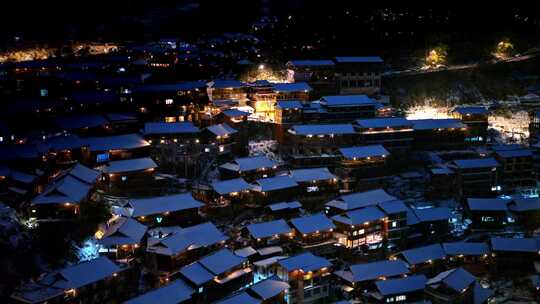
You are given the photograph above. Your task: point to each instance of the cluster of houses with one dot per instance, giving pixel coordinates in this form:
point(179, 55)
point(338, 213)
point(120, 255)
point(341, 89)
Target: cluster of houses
point(330, 216)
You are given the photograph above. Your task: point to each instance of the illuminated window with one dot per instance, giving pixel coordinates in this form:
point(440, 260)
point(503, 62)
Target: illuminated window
point(312, 189)
point(394, 224)
point(221, 148)
point(401, 298)
point(124, 178)
point(169, 101)
point(101, 158)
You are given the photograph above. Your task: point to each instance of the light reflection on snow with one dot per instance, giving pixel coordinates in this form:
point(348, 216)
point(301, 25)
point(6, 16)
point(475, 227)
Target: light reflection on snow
point(88, 251)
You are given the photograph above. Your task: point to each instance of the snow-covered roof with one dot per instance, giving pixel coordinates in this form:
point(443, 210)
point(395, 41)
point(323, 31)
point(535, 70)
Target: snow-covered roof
point(189, 238)
point(423, 254)
point(269, 288)
point(269, 229)
point(361, 199)
point(241, 297)
point(360, 216)
point(431, 124)
point(196, 274)
point(466, 248)
point(364, 151)
point(115, 142)
point(221, 129)
point(383, 122)
point(73, 277)
point(66, 189)
point(84, 173)
point(270, 250)
point(312, 223)
point(347, 100)
point(63, 142)
point(223, 84)
point(230, 186)
point(235, 113)
point(393, 207)
point(245, 252)
point(289, 104)
point(123, 231)
point(374, 270)
point(285, 205)
point(130, 165)
point(401, 285)
point(250, 163)
point(457, 279)
point(173, 293)
point(433, 214)
point(305, 261)
point(162, 204)
point(313, 174)
point(221, 261)
point(323, 129)
point(274, 183)
point(161, 128)
point(359, 59)
point(514, 244)
point(476, 163)
point(487, 204)
point(304, 63)
point(292, 87)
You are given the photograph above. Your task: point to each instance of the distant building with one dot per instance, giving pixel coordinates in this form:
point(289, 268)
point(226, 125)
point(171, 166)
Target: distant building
point(121, 176)
point(517, 164)
point(316, 145)
point(313, 230)
point(409, 289)
point(292, 91)
point(227, 90)
point(101, 150)
point(63, 196)
point(162, 210)
point(358, 278)
point(477, 177)
point(394, 133)
point(456, 285)
point(319, 74)
point(476, 119)
point(359, 75)
point(121, 237)
point(169, 248)
point(217, 274)
point(439, 133)
point(249, 168)
point(308, 276)
point(96, 280)
point(362, 163)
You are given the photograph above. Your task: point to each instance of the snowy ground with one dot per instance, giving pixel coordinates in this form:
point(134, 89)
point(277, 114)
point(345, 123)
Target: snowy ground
point(508, 126)
point(264, 147)
point(512, 127)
